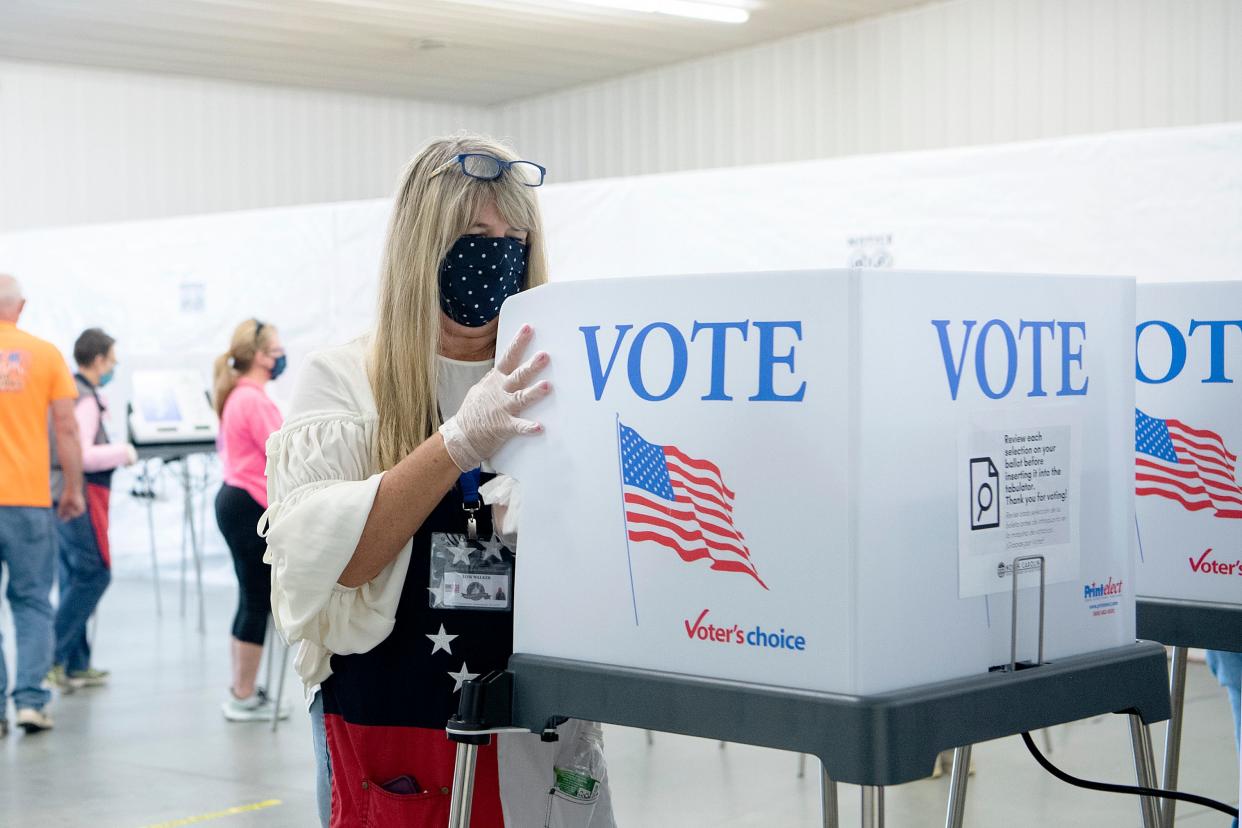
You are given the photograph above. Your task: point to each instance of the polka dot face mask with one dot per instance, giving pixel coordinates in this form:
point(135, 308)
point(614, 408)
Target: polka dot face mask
point(478, 275)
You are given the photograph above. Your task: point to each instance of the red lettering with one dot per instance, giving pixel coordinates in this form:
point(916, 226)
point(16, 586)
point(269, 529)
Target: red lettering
point(1195, 565)
point(691, 631)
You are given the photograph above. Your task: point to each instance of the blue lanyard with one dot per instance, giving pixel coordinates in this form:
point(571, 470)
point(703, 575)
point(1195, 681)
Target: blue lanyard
point(469, 482)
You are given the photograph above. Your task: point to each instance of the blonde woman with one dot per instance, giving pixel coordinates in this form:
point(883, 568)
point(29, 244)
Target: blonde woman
point(378, 468)
point(247, 418)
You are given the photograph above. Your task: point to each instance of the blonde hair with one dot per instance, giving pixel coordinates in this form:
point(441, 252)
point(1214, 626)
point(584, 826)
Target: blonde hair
point(249, 338)
point(430, 214)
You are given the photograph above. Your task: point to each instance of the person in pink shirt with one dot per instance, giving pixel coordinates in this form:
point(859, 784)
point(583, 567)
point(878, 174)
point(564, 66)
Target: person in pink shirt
point(85, 568)
point(247, 418)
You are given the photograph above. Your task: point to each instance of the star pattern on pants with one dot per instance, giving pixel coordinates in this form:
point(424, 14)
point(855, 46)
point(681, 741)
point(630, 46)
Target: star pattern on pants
point(440, 641)
point(461, 677)
point(461, 552)
point(491, 549)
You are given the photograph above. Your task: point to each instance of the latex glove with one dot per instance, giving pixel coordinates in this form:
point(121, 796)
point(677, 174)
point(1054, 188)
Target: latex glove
point(488, 417)
point(131, 454)
point(504, 495)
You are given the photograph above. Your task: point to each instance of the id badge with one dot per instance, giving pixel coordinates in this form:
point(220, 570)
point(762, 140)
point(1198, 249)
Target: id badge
point(470, 574)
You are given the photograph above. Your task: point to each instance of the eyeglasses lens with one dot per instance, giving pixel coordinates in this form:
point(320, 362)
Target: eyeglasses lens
point(481, 166)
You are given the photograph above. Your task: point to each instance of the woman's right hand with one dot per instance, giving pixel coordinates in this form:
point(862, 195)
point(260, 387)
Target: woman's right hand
point(488, 415)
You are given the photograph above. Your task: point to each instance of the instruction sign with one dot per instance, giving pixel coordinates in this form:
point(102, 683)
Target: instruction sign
point(1019, 496)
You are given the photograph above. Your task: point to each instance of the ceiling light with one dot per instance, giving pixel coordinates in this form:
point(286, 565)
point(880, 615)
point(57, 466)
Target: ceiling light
point(714, 12)
point(703, 11)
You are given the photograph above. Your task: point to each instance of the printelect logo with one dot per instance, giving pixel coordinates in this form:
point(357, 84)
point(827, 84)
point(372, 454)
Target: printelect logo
point(735, 634)
point(1102, 599)
point(1093, 591)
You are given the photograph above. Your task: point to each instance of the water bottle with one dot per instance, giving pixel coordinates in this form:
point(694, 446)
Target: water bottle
point(580, 763)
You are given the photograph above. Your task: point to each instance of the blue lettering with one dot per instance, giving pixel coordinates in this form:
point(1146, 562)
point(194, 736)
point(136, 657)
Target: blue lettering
point(1037, 352)
point(768, 360)
point(720, 333)
point(599, 377)
point(1011, 368)
point(680, 359)
point(1068, 356)
point(1217, 329)
point(1177, 349)
point(800, 642)
point(953, 372)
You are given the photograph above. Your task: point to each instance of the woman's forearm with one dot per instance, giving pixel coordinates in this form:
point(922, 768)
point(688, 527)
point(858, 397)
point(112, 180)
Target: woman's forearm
point(407, 494)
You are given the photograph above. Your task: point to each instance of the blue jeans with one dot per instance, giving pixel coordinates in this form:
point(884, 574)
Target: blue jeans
point(1227, 667)
point(83, 578)
point(323, 764)
point(28, 551)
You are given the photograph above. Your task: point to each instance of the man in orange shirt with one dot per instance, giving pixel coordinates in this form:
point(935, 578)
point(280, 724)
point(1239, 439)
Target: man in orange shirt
point(33, 379)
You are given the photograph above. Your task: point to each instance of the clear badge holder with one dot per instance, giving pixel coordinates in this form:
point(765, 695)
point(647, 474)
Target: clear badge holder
point(470, 574)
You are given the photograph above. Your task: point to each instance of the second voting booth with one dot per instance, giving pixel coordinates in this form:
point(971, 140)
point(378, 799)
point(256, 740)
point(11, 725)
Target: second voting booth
point(832, 511)
point(1187, 495)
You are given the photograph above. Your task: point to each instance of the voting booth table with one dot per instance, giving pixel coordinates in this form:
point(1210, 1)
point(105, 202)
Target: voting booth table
point(171, 419)
point(1188, 501)
point(867, 515)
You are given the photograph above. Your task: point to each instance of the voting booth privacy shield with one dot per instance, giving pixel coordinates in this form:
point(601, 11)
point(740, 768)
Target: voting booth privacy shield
point(821, 479)
point(1188, 433)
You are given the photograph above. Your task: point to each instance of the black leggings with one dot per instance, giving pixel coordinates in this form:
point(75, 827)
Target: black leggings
point(237, 514)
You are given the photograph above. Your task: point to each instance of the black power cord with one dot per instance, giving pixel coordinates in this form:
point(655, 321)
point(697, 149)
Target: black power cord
point(1133, 790)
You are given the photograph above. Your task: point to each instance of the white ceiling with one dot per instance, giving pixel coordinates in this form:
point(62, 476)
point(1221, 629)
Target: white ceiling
point(465, 51)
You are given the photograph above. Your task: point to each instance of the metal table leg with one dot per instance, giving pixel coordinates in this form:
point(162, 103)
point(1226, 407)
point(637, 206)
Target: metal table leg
point(185, 531)
point(280, 683)
point(1173, 735)
point(957, 787)
point(873, 806)
point(828, 798)
point(155, 562)
point(195, 548)
point(463, 785)
point(1144, 770)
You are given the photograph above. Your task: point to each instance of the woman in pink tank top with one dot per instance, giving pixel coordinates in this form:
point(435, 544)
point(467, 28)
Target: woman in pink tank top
point(247, 418)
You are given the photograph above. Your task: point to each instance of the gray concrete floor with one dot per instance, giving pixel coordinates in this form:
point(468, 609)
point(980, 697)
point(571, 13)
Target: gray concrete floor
point(153, 750)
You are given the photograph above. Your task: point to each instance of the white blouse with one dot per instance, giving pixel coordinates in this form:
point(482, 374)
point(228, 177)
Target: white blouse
point(321, 483)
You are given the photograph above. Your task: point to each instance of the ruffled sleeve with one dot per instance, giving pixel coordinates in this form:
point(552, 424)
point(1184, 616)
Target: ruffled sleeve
point(321, 489)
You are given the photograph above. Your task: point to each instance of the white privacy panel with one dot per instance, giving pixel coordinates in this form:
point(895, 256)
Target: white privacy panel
point(1162, 205)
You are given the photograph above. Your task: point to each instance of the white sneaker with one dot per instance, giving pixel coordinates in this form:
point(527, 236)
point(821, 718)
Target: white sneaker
point(33, 721)
point(256, 708)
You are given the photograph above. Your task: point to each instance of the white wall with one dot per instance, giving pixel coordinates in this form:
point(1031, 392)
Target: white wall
point(945, 74)
point(81, 145)
point(78, 145)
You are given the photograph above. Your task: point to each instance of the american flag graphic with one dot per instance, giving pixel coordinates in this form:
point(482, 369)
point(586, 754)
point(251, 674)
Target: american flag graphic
point(681, 503)
point(1188, 465)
